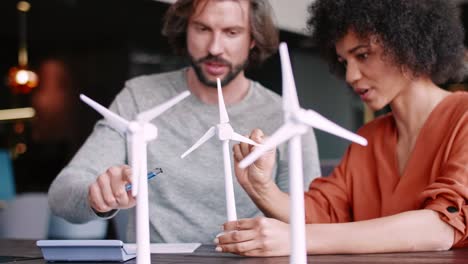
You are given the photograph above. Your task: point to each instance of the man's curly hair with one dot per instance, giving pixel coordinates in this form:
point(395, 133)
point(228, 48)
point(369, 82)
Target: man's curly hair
point(424, 36)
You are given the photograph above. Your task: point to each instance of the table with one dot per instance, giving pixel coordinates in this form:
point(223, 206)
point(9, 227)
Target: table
point(206, 255)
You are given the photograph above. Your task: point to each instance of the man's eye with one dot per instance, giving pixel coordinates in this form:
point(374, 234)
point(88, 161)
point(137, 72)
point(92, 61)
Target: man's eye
point(201, 28)
point(232, 33)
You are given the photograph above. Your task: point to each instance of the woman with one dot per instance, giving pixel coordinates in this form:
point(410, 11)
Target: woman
point(408, 189)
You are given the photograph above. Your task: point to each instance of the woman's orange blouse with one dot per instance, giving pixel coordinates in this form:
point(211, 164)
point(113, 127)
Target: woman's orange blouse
point(367, 183)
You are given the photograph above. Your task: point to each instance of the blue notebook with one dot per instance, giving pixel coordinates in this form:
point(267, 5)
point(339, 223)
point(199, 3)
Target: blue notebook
point(84, 250)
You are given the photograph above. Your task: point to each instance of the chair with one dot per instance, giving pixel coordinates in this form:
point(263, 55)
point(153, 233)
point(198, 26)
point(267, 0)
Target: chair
point(7, 182)
point(328, 165)
point(25, 217)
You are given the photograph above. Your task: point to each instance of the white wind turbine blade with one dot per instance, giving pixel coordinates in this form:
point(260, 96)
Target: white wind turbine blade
point(237, 137)
point(115, 121)
point(316, 120)
point(210, 133)
point(281, 135)
point(149, 115)
point(290, 101)
point(223, 116)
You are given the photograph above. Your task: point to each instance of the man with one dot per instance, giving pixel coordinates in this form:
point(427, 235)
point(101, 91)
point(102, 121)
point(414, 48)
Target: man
point(187, 201)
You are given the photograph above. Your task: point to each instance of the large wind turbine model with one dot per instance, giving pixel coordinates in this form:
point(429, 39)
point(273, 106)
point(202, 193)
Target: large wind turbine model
point(138, 132)
point(297, 122)
point(225, 133)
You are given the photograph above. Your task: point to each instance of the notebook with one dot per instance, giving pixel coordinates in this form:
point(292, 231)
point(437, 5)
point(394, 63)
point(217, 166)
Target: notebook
point(84, 250)
point(104, 250)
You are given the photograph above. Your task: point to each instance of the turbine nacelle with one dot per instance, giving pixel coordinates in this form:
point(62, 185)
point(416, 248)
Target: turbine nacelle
point(297, 128)
point(295, 119)
point(148, 131)
point(224, 131)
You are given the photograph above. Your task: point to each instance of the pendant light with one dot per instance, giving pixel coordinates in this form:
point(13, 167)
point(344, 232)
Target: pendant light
point(20, 78)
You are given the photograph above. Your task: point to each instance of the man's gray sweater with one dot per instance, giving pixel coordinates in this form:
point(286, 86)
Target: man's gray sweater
point(187, 201)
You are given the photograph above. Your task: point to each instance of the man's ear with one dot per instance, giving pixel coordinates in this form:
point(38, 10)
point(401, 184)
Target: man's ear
point(252, 44)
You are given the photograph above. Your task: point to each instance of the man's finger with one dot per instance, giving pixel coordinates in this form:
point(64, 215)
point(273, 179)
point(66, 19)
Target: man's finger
point(95, 198)
point(106, 190)
point(127, 174)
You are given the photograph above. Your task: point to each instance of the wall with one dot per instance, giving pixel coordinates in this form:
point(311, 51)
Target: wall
point(323, 92)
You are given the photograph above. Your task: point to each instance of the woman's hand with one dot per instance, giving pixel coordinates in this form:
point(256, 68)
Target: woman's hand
point(258, 176)
point(257, 179)
point(261, 237)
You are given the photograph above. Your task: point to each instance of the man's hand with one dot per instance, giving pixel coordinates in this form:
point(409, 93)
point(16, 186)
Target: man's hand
point(108, 191)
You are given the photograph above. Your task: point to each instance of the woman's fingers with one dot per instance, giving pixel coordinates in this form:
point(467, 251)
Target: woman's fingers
point(239, 248)
point(260, 236)
point(241, 224)
point(230, 237)
point(238, 156)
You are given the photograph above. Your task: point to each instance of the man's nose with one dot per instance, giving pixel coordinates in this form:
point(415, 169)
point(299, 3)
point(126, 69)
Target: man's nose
point(216, 45)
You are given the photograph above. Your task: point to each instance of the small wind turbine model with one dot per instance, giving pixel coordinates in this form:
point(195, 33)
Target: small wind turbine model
point(297, 122)
point(138, 132)
point(225, 133)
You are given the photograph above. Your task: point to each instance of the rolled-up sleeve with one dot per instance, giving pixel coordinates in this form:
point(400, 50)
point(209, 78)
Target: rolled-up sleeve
point(448, 195)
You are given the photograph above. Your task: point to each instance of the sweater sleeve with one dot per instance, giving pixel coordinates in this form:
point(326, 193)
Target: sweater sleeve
point(448, 195)
point(105, 147)
point(327, 200)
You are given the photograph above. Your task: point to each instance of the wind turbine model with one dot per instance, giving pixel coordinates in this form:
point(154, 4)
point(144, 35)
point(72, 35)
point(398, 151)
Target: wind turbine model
point(138, 132)
point(225, 133)
point(297, 122)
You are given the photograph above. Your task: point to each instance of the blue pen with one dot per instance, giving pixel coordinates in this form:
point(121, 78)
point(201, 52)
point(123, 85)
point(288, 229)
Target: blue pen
point(151, 174)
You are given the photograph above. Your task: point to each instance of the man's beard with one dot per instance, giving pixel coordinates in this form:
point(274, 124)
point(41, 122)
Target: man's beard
point(234, 70)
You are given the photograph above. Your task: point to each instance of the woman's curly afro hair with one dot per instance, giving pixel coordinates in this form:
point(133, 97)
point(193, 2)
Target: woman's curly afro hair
point(424, 36)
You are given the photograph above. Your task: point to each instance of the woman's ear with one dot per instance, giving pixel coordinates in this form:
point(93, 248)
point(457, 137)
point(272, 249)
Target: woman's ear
point(406, 72)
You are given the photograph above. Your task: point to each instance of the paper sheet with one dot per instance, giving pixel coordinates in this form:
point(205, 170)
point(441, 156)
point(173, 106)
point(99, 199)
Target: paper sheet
point(167, 248)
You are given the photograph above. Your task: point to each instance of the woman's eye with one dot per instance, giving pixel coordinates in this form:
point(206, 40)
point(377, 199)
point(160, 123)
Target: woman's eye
point(363, 56)
point(343, 63)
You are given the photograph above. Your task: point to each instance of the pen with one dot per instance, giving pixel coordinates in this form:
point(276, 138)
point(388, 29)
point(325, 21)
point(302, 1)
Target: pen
point(151, 174)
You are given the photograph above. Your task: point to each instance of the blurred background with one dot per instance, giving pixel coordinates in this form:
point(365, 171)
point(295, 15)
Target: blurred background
point(52, 50)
